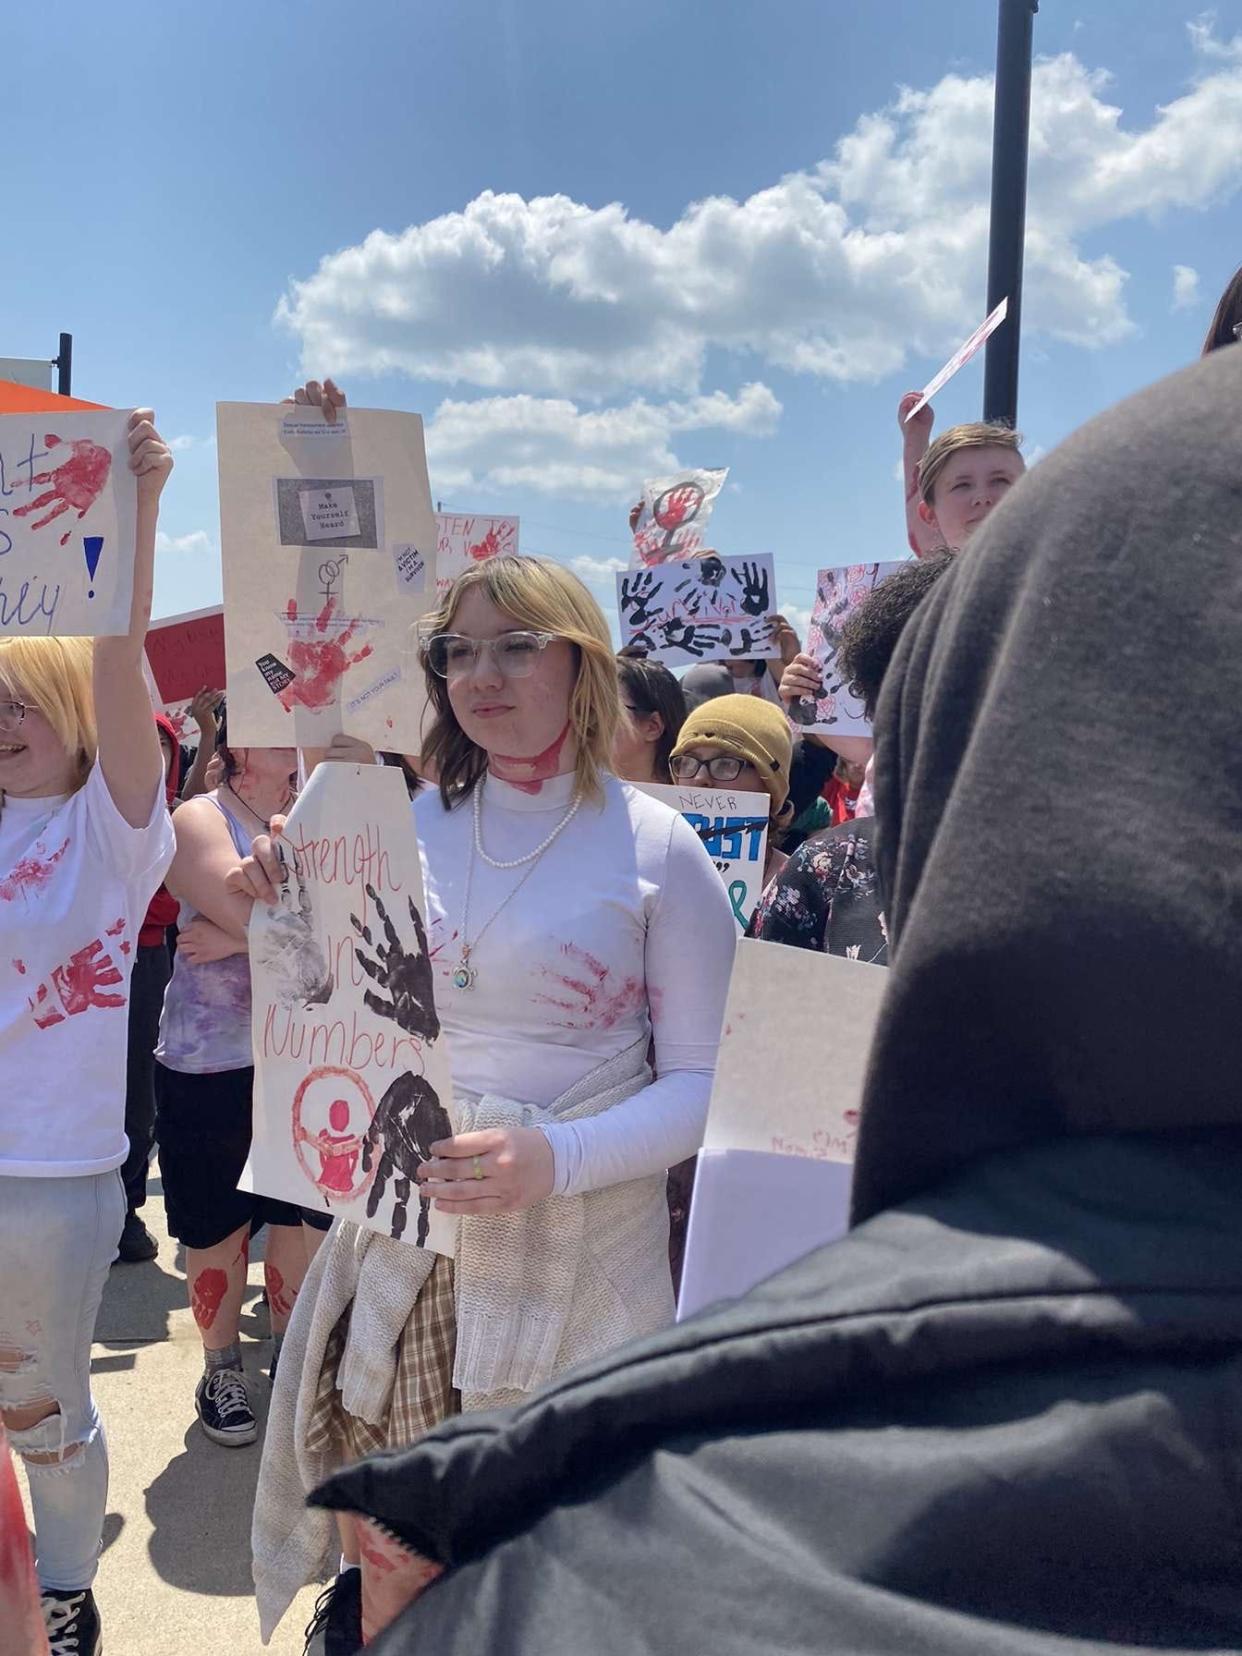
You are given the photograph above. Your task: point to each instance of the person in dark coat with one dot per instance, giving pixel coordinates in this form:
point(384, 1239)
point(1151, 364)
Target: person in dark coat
point(1005, 1414)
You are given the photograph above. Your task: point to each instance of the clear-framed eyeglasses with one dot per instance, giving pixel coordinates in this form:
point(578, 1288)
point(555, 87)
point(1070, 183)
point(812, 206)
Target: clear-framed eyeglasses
point(11, 715)
point(725, 767)
point(515, 654)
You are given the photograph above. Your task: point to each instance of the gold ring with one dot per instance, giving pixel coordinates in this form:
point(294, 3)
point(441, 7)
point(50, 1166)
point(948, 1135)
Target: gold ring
point(478, 1167)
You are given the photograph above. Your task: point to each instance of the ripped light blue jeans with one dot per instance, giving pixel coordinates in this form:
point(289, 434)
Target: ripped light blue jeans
point(57, 1239)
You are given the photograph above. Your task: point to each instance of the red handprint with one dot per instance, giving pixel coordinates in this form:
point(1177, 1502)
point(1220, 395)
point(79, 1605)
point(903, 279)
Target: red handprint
point(592, 998)
point(76, 482)
point(488, 547)
point(319, 663)
point(84, 975)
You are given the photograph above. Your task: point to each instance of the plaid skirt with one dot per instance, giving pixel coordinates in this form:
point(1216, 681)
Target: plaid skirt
point(422, 1394)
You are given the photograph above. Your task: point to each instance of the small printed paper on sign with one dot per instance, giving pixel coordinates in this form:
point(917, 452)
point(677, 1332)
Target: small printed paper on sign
point(411, 566)
point(329, 513)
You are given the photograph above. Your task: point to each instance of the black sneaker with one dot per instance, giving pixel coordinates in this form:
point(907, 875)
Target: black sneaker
point(336, 1627)
point(72, 1623)
point(223, 1406)
point(137, 1244)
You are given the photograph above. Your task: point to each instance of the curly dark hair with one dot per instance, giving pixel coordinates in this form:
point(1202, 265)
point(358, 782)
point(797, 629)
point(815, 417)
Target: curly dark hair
point(869, 635)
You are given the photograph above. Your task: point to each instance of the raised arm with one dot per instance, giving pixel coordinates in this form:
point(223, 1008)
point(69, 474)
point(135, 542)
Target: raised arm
point(129, 747)
point(914, 440)
point(203, 712)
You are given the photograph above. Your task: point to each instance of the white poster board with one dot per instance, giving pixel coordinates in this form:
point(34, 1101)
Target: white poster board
point(838, 592)
point(961, 356)
point(775, 1171)
point(68, 519)
point(701, 609)
point(466, 538)
point(351, 1079)
point(328, 542)
point(733, 827)
point(672, 521)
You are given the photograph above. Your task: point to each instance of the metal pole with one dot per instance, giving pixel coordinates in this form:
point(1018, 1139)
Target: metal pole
point(1010, 133)
point(64, 366)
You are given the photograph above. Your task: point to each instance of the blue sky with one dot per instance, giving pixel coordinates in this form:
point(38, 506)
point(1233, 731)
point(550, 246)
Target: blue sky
point(178, 173)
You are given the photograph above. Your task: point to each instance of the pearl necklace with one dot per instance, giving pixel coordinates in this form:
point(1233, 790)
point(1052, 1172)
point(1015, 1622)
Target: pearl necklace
point(465, 976)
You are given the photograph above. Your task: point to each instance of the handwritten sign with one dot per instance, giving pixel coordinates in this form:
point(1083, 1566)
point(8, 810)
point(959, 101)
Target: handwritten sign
point(836, 711)
point(702, 609)
point(186, 654)
point(961, 356)
point(734, 829)
point(465, 539)
point(352, 1082)
point(328, 542)
point(776, 1168)
point(68, 507)
point(672, 522)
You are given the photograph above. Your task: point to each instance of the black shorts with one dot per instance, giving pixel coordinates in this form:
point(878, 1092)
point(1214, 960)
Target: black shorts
point(203, 1127)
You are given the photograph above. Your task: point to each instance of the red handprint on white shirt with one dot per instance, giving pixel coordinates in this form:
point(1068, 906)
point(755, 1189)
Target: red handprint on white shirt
point(589, 992)
point(79, 985)
point(76, 483)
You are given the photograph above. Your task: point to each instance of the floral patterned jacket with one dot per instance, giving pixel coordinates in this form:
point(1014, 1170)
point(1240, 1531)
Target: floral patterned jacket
point(827, 897)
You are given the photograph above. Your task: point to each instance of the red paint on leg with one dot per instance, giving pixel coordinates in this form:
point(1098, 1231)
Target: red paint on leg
point(280, 1298)
point(207, 1293)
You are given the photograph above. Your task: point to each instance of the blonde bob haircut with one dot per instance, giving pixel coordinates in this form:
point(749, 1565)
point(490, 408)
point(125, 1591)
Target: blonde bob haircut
point(54, 675)
point(975, 434)
point(546, 598)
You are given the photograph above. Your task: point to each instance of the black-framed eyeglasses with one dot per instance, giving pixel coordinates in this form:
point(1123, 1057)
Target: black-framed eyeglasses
point(454, 656)
point(11, 714)
point(725, 767)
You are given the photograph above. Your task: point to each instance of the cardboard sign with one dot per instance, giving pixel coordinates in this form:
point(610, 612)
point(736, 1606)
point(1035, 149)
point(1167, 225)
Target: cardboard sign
point(702, 609)
point(672, 523)
point(734, 829)
point(961, 356)
point(465, 539)
point(775, 1172)
point(838, 592)
point(328, 544)
point(351, 1082)
point(68, 510)
point(186, 655)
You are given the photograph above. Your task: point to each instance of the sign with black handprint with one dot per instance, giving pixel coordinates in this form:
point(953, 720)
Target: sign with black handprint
point(352, 1083)
point(701, 609)
point(836, 711)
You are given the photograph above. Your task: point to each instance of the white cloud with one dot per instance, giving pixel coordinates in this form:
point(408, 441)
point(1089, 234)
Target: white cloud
point(1185, 286)
point(179, 444)
point(799, 619)
point(197, 544)
point(552, 445)
point(837, 271)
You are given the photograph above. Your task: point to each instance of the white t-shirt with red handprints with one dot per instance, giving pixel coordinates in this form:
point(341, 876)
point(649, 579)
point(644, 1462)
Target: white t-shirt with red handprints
point(75, 882)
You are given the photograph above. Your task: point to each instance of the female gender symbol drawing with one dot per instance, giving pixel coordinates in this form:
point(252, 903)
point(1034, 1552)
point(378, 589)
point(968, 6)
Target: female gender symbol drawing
point(332, 1111)
point(674, 511)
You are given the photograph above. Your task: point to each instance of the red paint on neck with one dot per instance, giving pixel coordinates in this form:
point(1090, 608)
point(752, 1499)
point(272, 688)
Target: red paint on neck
point(529, 775)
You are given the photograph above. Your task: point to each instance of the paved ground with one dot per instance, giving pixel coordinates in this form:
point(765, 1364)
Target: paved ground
point(175, 1575)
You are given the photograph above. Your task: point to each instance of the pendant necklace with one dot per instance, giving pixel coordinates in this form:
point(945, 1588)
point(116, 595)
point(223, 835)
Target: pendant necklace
point(465, 975)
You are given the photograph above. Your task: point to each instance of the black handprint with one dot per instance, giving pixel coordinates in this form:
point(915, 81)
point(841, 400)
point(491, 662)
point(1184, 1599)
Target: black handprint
point(407, 977)
point(684, 635)
point(755, 589)
point(407, 1122)
point(638, 598)
point(291, 952)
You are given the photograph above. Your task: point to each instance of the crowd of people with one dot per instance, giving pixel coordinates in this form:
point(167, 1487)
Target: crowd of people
point(999, 1414)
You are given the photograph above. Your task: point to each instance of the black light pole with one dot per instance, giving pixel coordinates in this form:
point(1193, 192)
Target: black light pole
point(64, 366)
point(1010, 133)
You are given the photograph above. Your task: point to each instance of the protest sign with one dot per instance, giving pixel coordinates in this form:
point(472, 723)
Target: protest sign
point(68, 509)
point(328, 541)
point(776, 1167)
point(673, 519)
point(961, 357)
point(186, 655)
point(701, 609)
point(465, 539)
point(836, 711)
point(734, 829)
point(351, 1082)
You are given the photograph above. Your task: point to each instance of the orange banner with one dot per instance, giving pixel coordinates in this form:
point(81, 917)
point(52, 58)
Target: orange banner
point(25, 399)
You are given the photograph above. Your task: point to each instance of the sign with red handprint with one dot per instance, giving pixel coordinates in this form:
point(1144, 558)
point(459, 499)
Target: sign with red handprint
point(67, 521)
point(321, 524)
point(466, 539)
point(672, 520)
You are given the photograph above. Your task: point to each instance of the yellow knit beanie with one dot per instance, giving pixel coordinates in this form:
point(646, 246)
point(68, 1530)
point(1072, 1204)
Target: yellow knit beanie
point(752, 729)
